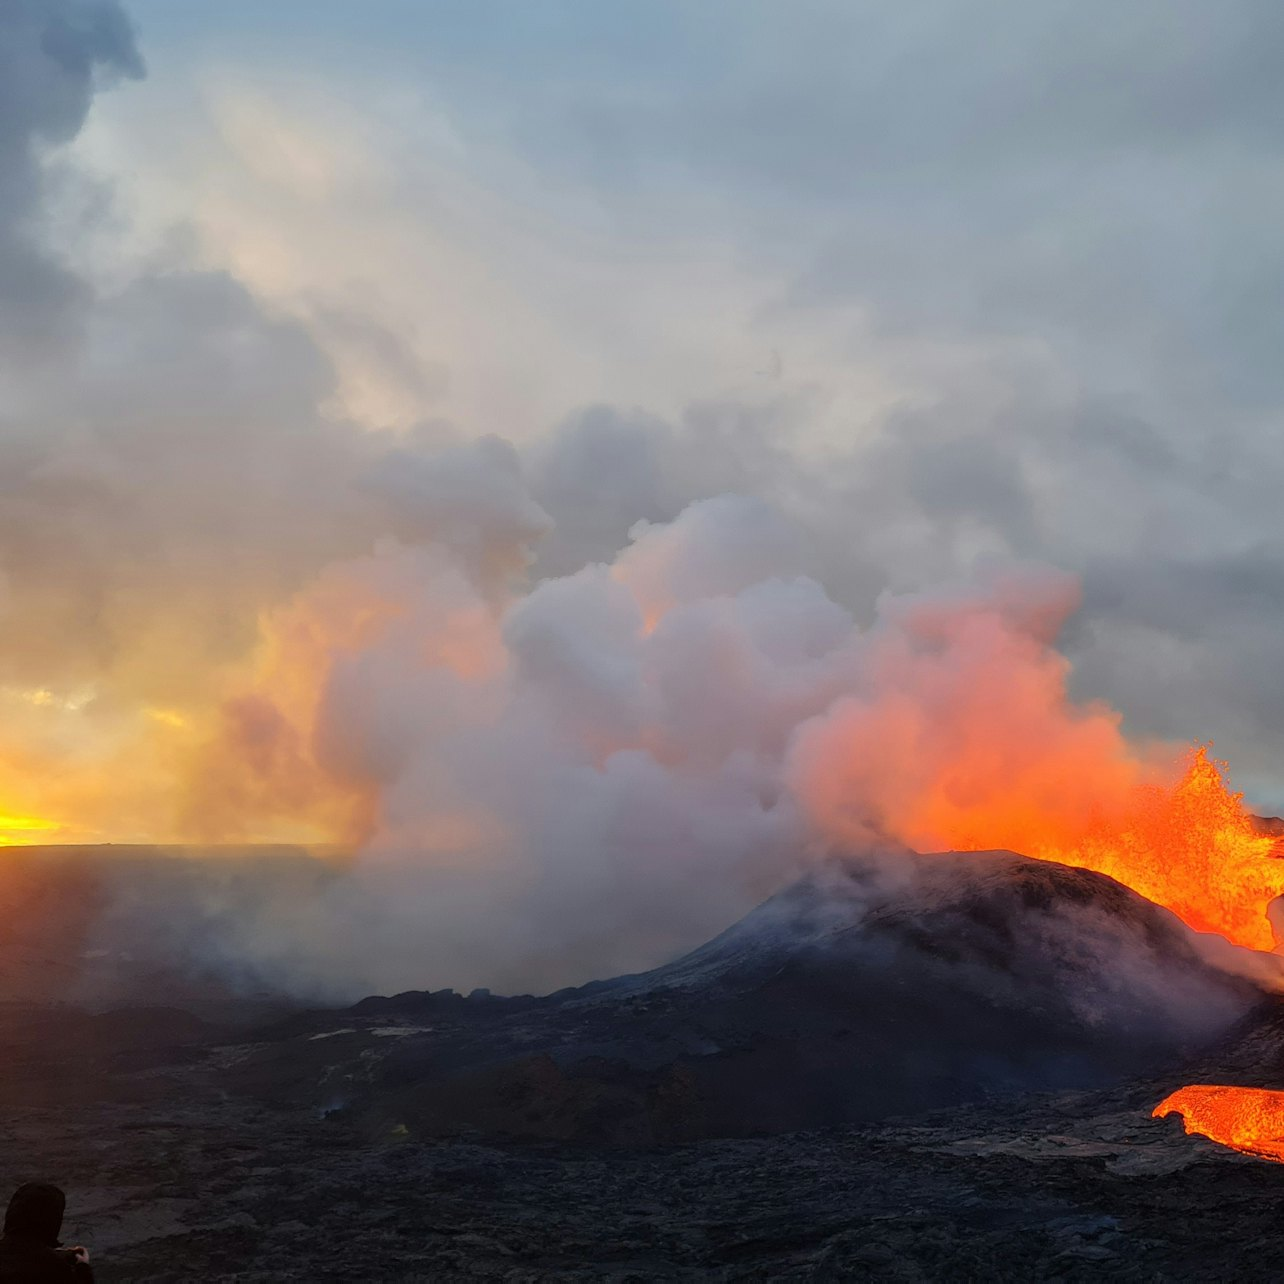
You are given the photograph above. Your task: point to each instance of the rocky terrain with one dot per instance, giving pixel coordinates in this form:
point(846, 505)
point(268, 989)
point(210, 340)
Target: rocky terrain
point(943, 1070)
point(183, 1185)
point(848, 997)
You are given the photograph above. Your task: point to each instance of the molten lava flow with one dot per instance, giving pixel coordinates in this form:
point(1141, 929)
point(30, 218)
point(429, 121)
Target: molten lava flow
point(1250, 1120)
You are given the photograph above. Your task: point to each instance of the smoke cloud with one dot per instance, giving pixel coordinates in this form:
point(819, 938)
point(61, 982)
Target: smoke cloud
point(571, 692)
point(587, 776)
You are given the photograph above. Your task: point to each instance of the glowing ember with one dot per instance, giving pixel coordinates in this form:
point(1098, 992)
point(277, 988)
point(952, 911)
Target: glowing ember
point(1250, 1120)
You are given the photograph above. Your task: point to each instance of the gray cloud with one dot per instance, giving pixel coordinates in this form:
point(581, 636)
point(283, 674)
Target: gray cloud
point(1056, 224)
point(53, 53)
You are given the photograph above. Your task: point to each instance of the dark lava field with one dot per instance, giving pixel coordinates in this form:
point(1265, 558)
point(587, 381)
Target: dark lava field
point(944, 1076)
point(175, 1179)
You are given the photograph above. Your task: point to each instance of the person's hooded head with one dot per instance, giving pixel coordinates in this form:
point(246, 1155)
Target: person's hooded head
point(35, 1213)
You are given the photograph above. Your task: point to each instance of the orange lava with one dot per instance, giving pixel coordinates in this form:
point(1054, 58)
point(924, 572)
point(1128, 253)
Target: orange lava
point(1192, 847)
point(961, 735)
point(1250, 1120)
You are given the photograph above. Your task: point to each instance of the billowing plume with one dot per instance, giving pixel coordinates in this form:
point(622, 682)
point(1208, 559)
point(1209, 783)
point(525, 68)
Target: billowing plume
point(588, 775)
point(569, 705)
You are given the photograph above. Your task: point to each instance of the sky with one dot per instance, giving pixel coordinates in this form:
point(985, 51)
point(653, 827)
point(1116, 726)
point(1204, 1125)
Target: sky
point(288, 290)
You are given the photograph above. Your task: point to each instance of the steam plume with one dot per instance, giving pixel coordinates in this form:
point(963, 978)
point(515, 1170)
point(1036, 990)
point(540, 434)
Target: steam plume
point(590, 775)
point(574, 703)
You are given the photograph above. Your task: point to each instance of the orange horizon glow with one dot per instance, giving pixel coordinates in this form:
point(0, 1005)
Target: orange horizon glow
point(15, 830)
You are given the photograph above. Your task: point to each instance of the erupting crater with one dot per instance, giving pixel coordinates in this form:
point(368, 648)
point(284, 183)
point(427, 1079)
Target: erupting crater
point(1192, 847)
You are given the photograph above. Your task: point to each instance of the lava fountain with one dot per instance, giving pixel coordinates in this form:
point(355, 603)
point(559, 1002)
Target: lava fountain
point(1192, 847)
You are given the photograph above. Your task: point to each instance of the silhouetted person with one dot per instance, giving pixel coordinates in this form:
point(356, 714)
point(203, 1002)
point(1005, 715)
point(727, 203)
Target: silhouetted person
point(29, 1249)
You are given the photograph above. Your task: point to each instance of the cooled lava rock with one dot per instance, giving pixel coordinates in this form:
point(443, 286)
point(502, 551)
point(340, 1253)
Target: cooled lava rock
point(867, 990)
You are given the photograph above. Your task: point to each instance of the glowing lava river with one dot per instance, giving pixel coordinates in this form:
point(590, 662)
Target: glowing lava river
point(1250, 1120)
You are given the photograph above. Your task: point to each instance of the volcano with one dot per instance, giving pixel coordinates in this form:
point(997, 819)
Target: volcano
point(868, 989)
point(977, 1036)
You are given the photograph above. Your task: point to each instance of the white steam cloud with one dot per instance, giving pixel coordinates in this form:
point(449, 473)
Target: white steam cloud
point(587, 699)
point(589, 776)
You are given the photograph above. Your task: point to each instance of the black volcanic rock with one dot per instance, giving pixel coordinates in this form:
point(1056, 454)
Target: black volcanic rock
point(860, 992)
